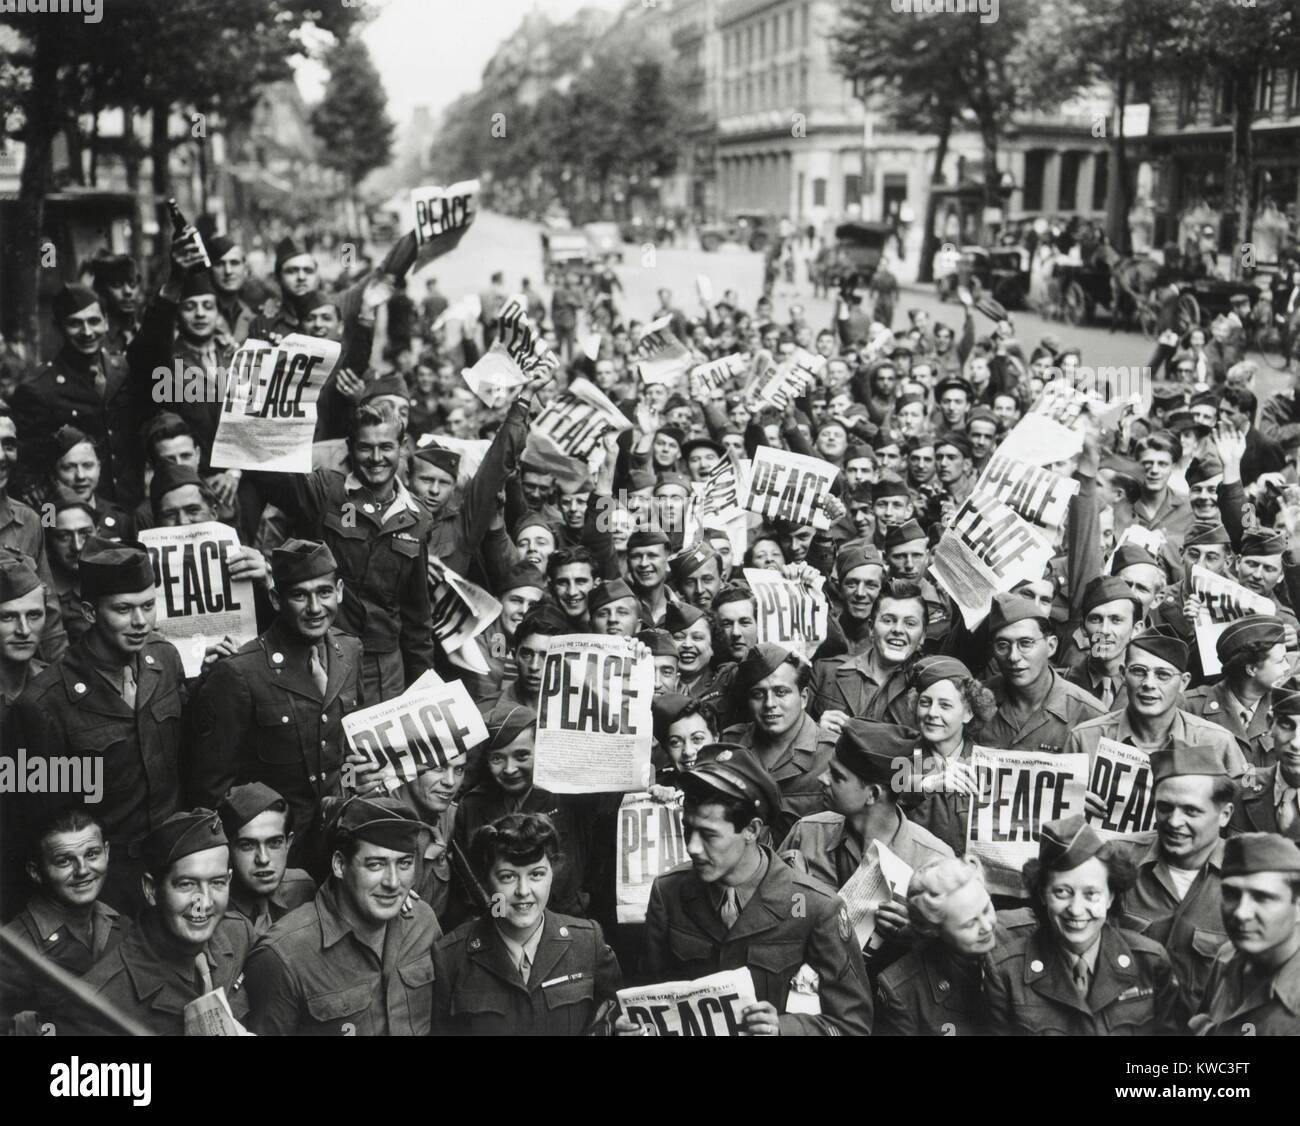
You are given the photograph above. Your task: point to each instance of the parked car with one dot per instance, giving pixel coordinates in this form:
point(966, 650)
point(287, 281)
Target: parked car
point(754, 229)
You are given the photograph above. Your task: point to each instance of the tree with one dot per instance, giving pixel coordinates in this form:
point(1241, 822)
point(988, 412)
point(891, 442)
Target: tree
point(352, 119)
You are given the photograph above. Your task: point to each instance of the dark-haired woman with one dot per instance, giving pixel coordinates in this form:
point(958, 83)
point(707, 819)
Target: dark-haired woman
point(524, 970)
point(1077, 973)
point(702, 673)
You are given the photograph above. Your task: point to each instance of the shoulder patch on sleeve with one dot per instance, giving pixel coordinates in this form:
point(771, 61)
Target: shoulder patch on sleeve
point(842, 923)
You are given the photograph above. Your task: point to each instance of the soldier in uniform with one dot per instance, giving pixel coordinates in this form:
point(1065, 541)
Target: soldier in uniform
point(22, 622)
point(525, 971)
point(263, 888)
point(1111, 612)
point(937, 987)
point(1254, 987)
point(1155, 676)
point(379, 535)
point(1078, 973)
point(183, 944)
point(74, 524)
point(1252, 651)
point(1037, 708)
point(1208, 546)
point(116, 279)
point(738, 905)
point(115, 697)
point(64, 920)
point(697, 574)
point(907, 551)
point(273, 711)
point(771, 688)
point(1175, 900)
point(1268, 802)
point(229, 272)
point(351, 962)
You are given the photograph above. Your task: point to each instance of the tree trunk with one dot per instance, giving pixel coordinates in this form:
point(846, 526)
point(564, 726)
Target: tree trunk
point(131, 162)
point(76, 146)
point(1117, 179)
point(992, 176)
point(929, 239)
point(20, 309)
point(160, 154)
point(1242, 176)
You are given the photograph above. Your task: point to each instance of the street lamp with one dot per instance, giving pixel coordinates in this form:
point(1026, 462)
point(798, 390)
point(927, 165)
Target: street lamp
point(862, 91)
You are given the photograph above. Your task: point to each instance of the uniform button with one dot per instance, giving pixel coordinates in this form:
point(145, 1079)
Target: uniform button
point(323, 743)
point(311, 778)
point(148, 660)
point(324, 718)
point(79, 687)
point(943, 987)
point(60, 379)
point(1036, 966)
point(564, 932)
point(1124, 961)
point(476, 944)
point(277, 658)
point(367, 507)
point(284, 719)
point(74, 414)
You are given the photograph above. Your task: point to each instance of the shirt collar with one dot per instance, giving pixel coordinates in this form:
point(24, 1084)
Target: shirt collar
point(744, 891)
point(518, 951)
point(402, 499)
point(1280, 787)
point(50, 916)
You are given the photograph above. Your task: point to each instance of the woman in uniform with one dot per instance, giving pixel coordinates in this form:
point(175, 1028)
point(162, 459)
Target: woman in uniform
point(937, 988)
point(524, 970)
point(948, 701)
point(1077, 973)
point(700, 673)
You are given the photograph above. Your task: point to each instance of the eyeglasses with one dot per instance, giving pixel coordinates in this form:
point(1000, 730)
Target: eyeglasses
point(1139, 673)
point(1024, 645)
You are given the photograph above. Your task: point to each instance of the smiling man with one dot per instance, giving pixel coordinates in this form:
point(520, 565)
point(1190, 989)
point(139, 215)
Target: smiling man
point(615, 609)
point(739, 906)
point(22, 622)
point(860, 575)
point(352, 962)
point(647, 570)
point(1158, 507)
point(183, 944)
point(1111, 612)
point(1253, 988)
point(118, 693)
point(571, 572)
point(264, 888)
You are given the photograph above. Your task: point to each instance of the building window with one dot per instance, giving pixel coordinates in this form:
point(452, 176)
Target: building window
point(762, 39)
point(1100, 172)
point(1187, 96)
point(803, 35)
point(1067, 196)
point(789, 29)
point(852, 188)
point(819, 185)
point(803, 83)
point(1264, 91)
point(1293, 98)
point(1035, 163)
point(1225, 102)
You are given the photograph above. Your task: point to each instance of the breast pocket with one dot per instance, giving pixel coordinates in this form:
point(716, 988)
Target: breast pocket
point(773, 965)
point(1037, 1019)
point(107, 743)
point(166, 713)
point(343, 1013)
point(277, 734)
point(481, 1011)
point(569, 1006)
point(694, 953)
point(417, 980)
point(1133, 1016)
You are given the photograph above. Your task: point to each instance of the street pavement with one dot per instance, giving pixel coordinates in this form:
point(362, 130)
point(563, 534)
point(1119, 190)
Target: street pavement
point(498, 242)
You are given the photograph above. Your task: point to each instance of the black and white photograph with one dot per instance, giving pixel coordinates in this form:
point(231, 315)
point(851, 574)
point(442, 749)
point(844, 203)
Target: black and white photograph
point(652, 518)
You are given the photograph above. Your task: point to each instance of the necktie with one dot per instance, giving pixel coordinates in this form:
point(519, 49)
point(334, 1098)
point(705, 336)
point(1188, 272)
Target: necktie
point(730, 909)
point(1081, 976)
point(1286, 810)
point(1107, 694)
point(101, 381)
point(128, 685)
point(201, 962)
point(525, 965)
point(317, 667)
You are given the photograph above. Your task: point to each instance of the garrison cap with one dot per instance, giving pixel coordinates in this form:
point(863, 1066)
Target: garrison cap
point(953, 383)
point(505, 721)
point(242, 803)
point(686, 563)
point(1109, 588)
point(17, 576)
point(1286, 697)
point(981, 413)
point(680, 616)
point(1203, 469)
point(612, 591)
point(958, 442)
point(1205, 533)
point(114, 269)
point(391, 384)
point(108, 567)
point(851, 558)
point(658, 641)
point(198, 284)
point(180, 835)
point(1183, 759)
point(313, 299)
point(1010, 608)
point(886, 438)
point(73, 299)
point(529, 520)
point(931, 670)
point(906, 532)
point(1166, 394)
point(907, 400)
point(859, 450)
point(1067, 843)
point(674, 432)
point(298, 561)
point(219, 246)
point(702, 444)
point(1248, 853)
point(168, 478)
point(446, 460)
point(382, 821)
point(1129, 555)
point(734, 772)
point(647, 537)
point(672, 477)
point(664, 711)
point(1263, 541)
point(890, 486)
point(1254, 631)
point(523, 575)
point(1161, 641)
point(760, 662)
point(875, 752)
point(285, 249)
point(641, 479)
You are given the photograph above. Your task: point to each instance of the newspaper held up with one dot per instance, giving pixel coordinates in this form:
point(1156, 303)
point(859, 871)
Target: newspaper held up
point(593, 716)
point(1121, 777)
point(660, 356)
point(578, 419)
point(650, 842)
point(442, 215)
point(198, 602)
point(791, 613)
point(789, 486)
point(268, 413)
point(1223, 602)
point(707, 1006)
point(880, 878)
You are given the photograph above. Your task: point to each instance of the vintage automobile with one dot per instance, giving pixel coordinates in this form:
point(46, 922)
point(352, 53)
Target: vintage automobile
point(563, 249)
point(754, 229)
point(856, 253)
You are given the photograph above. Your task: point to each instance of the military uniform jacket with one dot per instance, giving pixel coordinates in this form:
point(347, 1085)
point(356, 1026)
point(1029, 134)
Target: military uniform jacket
point(1190, 929)
point(311, 976)
point(480, 992)
point(796, 771)
point(1215, 703)
point(930, 991)
point(259, 717)
point(1236, 1004)
point(946, 814)
point(686, 938)
point(830, 853)
point(383, 561)
point(145, 979)
point(1134, 990)
point(847, 684)
point(70, 709)
point(62, 393)
point(296, 888)
point(1255, 810)
point(21, 531)
point(1186, 728)
point(1046, 730)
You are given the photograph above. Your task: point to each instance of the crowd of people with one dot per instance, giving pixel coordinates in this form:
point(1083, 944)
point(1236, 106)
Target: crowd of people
point(241, 846)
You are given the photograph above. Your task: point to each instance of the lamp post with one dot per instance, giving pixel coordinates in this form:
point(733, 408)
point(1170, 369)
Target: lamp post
point(861, 91)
